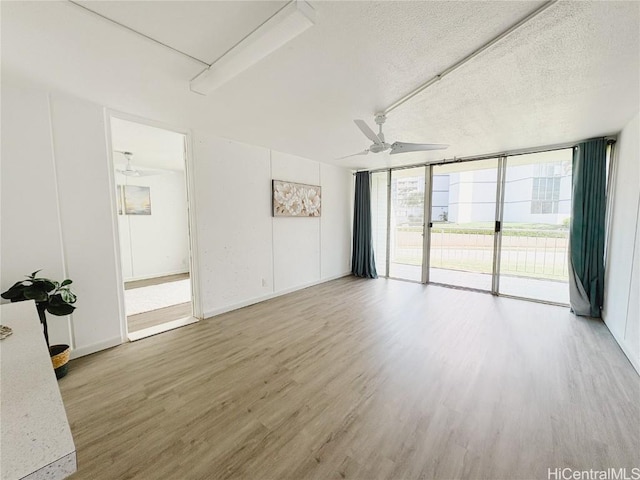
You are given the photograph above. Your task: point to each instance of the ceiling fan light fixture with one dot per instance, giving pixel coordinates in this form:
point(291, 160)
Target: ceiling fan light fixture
point(289, 22)
point(379, 145)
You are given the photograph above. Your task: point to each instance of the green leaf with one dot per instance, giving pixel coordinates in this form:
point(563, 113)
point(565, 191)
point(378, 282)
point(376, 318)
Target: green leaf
point(46, 284)
point(66, 282)
point(67, 296)
point(14, 292)
point(14, 295)
point(34, 293)
point(60, 310)
point(33, 275)
point(56, 300)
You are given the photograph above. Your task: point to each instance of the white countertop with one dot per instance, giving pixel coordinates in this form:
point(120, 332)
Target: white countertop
point(35, 441)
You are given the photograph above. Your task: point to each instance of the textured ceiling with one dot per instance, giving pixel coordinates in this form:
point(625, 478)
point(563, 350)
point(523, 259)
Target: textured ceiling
point(571, 73)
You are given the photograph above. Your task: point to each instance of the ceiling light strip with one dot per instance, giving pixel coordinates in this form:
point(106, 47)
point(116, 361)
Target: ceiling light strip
point(286, 5)
point(139, 33)
point(286, 24)
point(469, 57)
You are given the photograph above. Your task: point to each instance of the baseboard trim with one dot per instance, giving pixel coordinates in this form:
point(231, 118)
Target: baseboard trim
point(269, 296)
point(635, 362)
point(95, 347)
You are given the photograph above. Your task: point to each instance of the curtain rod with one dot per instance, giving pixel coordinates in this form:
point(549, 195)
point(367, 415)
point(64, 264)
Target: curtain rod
point(510, 153)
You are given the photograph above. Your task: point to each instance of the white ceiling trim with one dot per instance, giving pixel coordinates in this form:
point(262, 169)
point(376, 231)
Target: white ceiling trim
point(133, 30)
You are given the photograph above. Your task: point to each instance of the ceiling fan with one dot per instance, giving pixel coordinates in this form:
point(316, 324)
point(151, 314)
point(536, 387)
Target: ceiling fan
point(379, 145)
point(131, 171)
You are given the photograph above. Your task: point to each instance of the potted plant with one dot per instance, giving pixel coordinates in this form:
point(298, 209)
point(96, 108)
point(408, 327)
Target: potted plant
point(50, 296)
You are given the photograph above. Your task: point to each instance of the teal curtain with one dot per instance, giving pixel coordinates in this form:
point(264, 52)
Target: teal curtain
point(587, 228)
point(362, 261)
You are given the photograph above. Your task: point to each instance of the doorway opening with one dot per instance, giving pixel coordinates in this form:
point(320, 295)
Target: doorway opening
point(153, 227)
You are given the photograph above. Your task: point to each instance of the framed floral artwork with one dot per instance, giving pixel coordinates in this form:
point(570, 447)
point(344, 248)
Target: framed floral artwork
point(296, 199)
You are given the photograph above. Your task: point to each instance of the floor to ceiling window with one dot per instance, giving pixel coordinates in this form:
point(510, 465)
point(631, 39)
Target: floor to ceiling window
point(462, 233)
point(497, 224)
point(406, 237)
point(379, 182)
point(535, 226)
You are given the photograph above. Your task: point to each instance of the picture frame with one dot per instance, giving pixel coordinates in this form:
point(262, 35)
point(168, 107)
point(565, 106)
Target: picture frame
point(137, 200)
point(289, 199)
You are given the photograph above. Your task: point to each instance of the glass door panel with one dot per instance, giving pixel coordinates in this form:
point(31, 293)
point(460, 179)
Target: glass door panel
point(379, 213)
point(535, 226)
point(407, 223)
point(463, 213)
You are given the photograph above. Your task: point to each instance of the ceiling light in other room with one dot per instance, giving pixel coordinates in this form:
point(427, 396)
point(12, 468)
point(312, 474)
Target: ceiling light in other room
point(289, 22)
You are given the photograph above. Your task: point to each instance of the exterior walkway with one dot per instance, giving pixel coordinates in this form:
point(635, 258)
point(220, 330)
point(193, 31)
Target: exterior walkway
point(525, 287)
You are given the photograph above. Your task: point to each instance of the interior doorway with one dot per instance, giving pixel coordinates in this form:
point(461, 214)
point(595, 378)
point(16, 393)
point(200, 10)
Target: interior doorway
point(153, 227)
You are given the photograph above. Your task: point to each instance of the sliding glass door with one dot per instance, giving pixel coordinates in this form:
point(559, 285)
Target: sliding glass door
point(463, 216)
point(406, 224)
point(535, 227)
point(498, 224)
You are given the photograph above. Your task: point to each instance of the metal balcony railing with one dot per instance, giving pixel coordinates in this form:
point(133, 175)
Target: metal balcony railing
point(524, 252)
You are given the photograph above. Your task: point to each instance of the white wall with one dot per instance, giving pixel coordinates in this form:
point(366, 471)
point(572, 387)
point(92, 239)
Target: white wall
point(86, 209)
point(30, 236)
point(56, 208)
point(620, 310)
point(234, 224)
point(246, 254)
point(296, 240)
point(157, 244)
point(58, 213)
point(335, 222)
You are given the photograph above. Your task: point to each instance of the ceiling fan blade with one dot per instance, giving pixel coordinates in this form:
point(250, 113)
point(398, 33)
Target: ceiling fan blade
point(143, 172)
point(370, 134)
point(401, 147)
point(354, 155)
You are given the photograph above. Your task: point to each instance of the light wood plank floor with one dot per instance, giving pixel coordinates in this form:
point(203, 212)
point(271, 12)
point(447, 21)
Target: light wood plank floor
point(140, 321)
point(159, 316)
point(360, 379)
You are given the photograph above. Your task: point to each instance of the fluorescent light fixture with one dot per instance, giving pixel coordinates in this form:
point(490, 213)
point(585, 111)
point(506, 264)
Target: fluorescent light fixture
point(289, 22)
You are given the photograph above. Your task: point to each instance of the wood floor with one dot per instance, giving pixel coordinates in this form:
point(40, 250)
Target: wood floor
point(363, 379)
point(144, 320)
point(159, 316)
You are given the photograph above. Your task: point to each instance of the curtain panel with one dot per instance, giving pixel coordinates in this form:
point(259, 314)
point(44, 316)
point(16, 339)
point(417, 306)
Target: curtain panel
point(362, 260)
point(587, 228)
